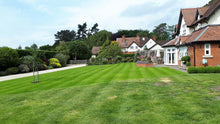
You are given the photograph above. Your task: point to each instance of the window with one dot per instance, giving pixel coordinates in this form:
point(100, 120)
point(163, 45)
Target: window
point(132, 47)
point(207, 49)
point(136, 47)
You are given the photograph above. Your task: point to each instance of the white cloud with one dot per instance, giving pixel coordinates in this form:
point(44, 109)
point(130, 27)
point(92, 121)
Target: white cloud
point(48, 17)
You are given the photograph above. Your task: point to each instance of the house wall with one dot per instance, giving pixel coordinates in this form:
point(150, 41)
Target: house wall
point(199, 52)
point(149, 44)
point(134, 49)
point(215, 18)
point(184, 27)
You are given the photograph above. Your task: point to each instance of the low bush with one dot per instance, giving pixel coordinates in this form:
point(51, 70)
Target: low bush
point(192, 69)
point(201, 69)
point(188, 64)
point(55, 63)
point(104, 62)
point(2, 73)
point(210, 69)
point(45, 60)
point(23, 68)
point(49, 67)
point(128, 55)
point(217, 69)
point(62, 58)
point(185, 59)
point(8, 58)
point(42, 67)
point(12, 70)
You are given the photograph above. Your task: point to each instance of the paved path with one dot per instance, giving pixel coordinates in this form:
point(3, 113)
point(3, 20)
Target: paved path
point(171, 66)
point(10, 77)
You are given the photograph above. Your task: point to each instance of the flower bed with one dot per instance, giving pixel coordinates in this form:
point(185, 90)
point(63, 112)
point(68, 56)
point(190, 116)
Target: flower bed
point(144, 64)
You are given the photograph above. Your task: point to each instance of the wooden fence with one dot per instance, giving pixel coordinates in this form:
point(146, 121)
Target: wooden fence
point(78, 61)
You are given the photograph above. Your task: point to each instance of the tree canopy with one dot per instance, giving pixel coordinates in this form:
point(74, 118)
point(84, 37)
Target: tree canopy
point(79, 50)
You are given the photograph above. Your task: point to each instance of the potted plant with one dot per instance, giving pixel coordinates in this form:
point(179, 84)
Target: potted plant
point(186, 61)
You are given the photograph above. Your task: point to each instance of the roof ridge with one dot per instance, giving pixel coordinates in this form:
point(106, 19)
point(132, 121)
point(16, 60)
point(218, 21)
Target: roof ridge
point(201, 34)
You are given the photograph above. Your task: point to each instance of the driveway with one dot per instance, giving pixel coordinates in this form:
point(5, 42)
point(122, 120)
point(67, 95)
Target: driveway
point(15, 76)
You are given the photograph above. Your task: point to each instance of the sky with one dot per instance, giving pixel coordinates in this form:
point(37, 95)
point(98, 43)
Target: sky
point(24, 22)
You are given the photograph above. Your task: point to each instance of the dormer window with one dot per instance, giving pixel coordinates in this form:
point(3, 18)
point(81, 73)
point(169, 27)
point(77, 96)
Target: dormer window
point(184, 29)
point(199, 25)
point(198, 17)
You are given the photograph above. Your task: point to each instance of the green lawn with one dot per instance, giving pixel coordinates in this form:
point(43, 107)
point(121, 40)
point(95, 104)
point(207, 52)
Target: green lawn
point(120, 93)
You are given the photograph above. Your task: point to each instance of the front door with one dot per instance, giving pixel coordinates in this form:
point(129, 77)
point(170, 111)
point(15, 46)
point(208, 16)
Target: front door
point(171, 56)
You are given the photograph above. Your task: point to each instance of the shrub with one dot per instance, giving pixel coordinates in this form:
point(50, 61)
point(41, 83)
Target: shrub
point(210, 69)
point(23, 68)
point(118, 59)
point(104, 62)
point(22, 53)
point(192, 69)
point(42, 67)
point(8, 58)
point(45, 60)
point(188, 64)
point(49, 67)
point(28, 60)
point(185, 59)
point(217, 69)
point(55, 63)
point(129, 55)
point(62, 58)
point(12, 70)
point(201, 69)
point(2, 73)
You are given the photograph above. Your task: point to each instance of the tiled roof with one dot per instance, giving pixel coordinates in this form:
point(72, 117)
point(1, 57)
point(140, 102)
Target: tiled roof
point(189, 15)
point(96, 49)
point(172, 42)
point(161, 43)
point(140, 41)
point(207, 11)
point(209, 33)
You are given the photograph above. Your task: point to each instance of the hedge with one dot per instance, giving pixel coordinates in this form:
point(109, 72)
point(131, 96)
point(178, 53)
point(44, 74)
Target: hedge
point(41, 53)
point(128, 55)
point(208, 69)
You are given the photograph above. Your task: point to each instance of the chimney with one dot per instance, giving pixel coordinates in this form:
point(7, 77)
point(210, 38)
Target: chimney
point(123, 38)
point(138, 37)
point(154, 38)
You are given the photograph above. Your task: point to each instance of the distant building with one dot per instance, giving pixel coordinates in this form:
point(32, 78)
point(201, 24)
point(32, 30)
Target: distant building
point(95, 51)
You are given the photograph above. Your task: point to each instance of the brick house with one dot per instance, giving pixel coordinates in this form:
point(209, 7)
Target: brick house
point(196, 35)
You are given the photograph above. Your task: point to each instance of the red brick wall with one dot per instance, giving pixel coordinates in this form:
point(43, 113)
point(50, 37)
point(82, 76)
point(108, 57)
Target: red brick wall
point(129, 52)
point(199, 50)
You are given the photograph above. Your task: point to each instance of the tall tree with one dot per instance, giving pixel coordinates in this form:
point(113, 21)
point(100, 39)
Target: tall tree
point(34, 46)
point(64, 35)
point(47, 47)
point(82, 31)
point(143, 33)
point(63, 48)
point(95, 29)
point(98, 39)
point(161, 32)
point(79, 50)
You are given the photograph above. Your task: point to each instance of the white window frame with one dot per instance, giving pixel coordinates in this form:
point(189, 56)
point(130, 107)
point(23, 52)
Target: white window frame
point(209, 49)
point(132, 47)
